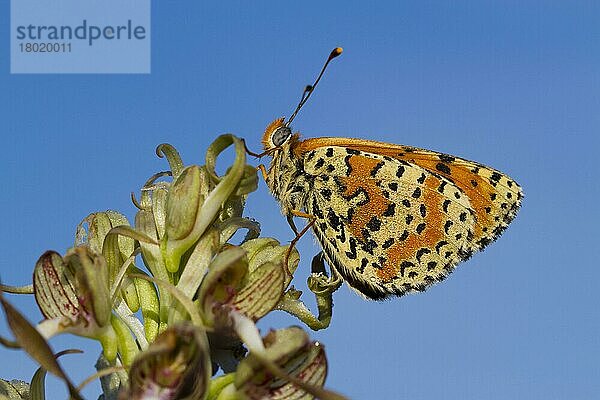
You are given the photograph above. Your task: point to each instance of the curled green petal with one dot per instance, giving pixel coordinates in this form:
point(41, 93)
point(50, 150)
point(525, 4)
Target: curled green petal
point(216, 148)
point(173, 157)
point(323, 287)
point(149, 188)
point(179, 237)
point(231, 225)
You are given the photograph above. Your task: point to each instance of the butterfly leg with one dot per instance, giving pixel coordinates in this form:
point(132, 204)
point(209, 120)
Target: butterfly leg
point(295, 240)
point(300, 214)
point(263, 171)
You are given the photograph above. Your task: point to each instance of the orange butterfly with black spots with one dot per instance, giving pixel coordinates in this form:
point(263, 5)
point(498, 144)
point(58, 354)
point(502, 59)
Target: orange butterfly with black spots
point(391, 219)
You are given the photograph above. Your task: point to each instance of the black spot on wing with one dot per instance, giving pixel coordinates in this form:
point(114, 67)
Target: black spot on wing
point(439, 245)
point(334, 220)
point(376, 168)
point(369, 246)
point(390, 211)
point(400, 171)
point(445, 205)
point(441, 187)
point(421, 252)
point(326, 193)
point(352, 253)
point(443, 168)
point(404, 235)
point(447, 226)
point(363, 264)
point(404, 265)
point(446, 158)
point(374, 224)
point(388, 243)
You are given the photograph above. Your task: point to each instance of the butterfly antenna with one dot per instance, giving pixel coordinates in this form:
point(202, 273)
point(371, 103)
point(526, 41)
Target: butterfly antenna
point(311, 88)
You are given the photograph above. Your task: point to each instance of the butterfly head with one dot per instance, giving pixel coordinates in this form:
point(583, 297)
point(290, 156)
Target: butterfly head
point(276, 135)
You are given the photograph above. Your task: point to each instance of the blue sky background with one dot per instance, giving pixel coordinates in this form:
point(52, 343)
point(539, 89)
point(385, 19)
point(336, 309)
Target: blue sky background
point(512, 84)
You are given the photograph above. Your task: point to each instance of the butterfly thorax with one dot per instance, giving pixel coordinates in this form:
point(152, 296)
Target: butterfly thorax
point(286, 179)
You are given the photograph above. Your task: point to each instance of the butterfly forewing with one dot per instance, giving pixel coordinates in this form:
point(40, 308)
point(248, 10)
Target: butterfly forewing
point(388, 226)
point(394, 219)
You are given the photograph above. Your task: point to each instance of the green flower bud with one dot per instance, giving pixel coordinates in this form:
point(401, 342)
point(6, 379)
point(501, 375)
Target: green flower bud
point(116, 249)
point(98, 225)
point(183, 207)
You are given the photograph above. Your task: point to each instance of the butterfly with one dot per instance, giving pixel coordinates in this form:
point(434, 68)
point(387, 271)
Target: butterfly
point(391, 219)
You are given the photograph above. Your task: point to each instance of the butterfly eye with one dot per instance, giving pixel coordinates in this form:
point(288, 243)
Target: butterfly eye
point(280, 135)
